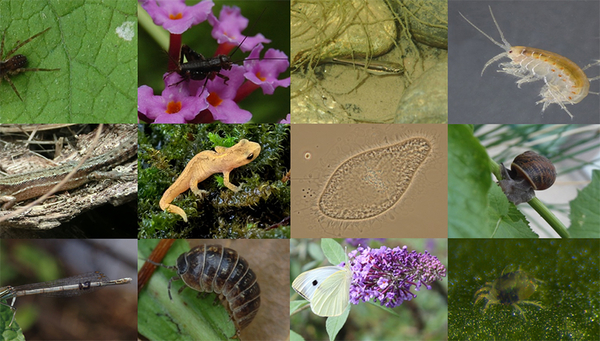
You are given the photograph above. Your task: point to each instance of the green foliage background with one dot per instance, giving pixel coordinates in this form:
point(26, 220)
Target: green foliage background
point(569, 269)
point(98, 69)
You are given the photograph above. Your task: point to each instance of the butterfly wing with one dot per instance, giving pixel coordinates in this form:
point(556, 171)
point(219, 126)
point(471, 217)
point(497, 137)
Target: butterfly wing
point(307, 282)
point(327, 289)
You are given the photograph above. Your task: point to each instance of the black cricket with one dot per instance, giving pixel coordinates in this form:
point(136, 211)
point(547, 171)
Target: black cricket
point(199, 68)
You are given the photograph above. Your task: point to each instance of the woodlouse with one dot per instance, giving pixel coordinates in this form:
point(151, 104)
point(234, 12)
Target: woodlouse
point(218, 269)
point(565, 82)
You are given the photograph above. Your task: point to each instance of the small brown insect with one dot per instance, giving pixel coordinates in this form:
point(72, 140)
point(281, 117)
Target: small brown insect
point(16, 64)
point(218, 269)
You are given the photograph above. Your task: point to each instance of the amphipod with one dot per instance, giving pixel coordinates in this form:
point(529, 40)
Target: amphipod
point(565, 82)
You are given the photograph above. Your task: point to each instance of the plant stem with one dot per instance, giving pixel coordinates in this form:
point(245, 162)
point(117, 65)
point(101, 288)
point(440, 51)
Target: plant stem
point(549, 217)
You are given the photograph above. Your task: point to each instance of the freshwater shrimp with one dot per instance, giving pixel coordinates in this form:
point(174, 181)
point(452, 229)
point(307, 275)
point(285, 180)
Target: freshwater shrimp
point(565, 82)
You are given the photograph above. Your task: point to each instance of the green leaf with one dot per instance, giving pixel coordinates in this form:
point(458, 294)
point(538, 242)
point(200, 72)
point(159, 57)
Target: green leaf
point(335, 323)
point(295, 336)
point(468, 183)
point(296, 305)
point(389, 310)
point(98, 64)
point(315, 253)
point(585, 216)
point(186, 316)
point(12, 333)
point(506, 221)
point(333, 251)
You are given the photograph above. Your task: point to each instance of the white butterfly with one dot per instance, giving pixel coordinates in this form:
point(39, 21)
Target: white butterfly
point(327, 289)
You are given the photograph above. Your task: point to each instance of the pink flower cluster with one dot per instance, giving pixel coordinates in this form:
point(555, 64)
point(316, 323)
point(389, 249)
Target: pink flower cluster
point(213, 98)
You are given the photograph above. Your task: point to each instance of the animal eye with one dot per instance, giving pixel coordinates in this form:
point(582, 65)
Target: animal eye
point(250, 156)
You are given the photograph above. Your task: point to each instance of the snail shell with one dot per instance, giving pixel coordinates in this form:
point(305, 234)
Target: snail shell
point(535, 168)
point(529, 171)
point(218, 269)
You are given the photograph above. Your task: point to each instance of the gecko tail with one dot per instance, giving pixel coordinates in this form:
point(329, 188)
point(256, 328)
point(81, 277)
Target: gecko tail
point(176, 210)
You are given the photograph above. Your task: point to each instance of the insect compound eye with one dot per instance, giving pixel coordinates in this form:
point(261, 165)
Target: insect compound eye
point(250, 156)
point(182, 264)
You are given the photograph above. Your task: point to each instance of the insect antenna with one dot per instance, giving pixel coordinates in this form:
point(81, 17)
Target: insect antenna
point(245, 37)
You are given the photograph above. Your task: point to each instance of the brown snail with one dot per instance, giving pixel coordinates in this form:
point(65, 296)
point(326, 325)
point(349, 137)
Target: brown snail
point(218, 269)
point(529, 171)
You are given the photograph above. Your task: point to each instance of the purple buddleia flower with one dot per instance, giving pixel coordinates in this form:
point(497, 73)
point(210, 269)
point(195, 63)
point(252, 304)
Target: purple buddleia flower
point(186, 101)
point(174, 105)
point(386, 275)
point(221, 103)
point(227, 29)
point(265, 72)
point(175, 16)
point(363, 241)
point(286, 120)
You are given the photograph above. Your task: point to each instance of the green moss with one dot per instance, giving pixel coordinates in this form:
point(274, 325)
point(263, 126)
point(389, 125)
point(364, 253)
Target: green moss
point(263, 200)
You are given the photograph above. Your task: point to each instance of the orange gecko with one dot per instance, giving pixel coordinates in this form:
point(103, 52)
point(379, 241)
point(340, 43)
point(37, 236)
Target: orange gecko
point(206, 163)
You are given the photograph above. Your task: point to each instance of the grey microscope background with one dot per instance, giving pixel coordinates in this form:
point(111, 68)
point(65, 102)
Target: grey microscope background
point(568, 28)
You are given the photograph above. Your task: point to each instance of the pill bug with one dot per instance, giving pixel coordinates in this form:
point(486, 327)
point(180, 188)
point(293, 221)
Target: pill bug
point(218, 269)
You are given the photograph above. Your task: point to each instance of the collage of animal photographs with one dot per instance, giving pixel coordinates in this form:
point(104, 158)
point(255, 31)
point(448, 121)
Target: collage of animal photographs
point(445, 156)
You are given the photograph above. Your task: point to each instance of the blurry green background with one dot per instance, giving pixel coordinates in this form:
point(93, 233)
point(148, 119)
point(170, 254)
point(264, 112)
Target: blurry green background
point(104, 314)
point(570, 273)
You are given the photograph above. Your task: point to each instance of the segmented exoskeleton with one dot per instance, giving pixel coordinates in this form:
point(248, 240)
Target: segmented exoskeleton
point(564, 81)
point(218, 269)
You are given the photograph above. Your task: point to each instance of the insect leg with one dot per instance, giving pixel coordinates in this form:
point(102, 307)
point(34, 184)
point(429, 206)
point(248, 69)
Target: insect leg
point(225, 78)
point(13, 86)
point(19, 44)
point(14, 72)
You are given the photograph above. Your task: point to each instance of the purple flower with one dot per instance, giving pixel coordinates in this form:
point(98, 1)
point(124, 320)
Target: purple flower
point(228, 29)
point(362, 241)
point(265, 72)
point(221, 97)
point(174, 16)
point(387, 274)
point(202, 101)
point(174, 105)
point(286, 120)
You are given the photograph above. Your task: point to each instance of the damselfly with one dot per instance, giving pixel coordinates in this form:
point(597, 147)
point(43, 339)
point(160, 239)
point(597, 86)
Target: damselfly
point(69, 286)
